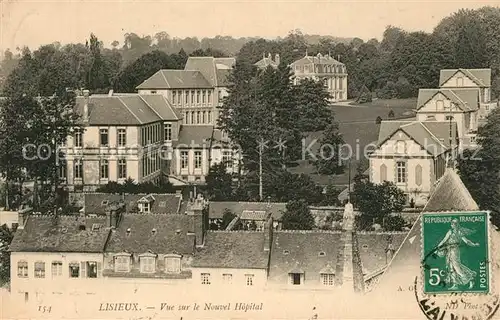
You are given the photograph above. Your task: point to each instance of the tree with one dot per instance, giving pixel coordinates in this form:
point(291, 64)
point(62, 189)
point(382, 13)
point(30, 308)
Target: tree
point(313, 105)
point(376, 201)
point(330, 197)
point(129, 186)
point(219, 183)
point(6, 236)
point(328, 158)
point(283, 186)
point(378, 120)
point(297, 216)
point(391, 114)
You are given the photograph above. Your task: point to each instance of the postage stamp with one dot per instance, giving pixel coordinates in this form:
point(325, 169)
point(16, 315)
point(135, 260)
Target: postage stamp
point(455, 253)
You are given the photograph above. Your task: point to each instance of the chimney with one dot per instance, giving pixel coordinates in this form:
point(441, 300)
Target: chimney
point(268, 234)
point(198, 219)
point(86, 97)
point(277, 59)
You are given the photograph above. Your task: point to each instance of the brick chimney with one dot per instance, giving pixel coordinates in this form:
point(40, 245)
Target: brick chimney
point(199, 220)
point(86, 98)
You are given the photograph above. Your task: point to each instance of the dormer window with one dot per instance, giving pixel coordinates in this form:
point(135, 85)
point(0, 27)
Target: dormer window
point(145, 207)
point(460, 82)
point(173, 263)
point(400, 146)
point(122, 262)
point(147, 262)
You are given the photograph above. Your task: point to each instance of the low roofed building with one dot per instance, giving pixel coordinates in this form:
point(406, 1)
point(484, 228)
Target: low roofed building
point(98, 203)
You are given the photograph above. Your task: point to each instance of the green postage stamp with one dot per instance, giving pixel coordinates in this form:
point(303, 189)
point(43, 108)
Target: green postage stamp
point(455, 252)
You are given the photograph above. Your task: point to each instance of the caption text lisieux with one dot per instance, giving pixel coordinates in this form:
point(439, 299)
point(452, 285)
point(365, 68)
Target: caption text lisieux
point(164, 306)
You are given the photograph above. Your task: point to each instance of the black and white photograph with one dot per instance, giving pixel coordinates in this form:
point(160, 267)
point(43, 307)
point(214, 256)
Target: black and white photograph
point(250, 160)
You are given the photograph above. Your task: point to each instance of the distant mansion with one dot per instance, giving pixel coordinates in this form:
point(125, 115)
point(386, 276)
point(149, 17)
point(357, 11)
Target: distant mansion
point(414, 154)
point(320, 67)
point(167, 129)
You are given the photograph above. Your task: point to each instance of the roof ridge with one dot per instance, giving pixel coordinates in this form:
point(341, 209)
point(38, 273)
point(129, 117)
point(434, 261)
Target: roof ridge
point(164, 78)
point(125, 105)
point(433, 136)
point(473, 77)
point(456, 96)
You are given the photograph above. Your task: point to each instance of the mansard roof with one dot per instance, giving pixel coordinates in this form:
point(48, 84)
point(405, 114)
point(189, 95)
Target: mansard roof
point(482, 77)
point(97, 203)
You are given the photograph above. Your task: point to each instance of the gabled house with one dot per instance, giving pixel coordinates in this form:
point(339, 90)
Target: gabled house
point(471, 78)
point(268, 61)
point(460, 105)
point(413, 155)
point(248, 212)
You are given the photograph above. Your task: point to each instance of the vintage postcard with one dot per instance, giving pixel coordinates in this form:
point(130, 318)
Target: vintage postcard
point(268, 159)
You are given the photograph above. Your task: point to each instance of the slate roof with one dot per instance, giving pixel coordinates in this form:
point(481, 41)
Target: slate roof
point(432, 135)
point(373, 247)
point(299, 251)
point(467, 99)
point(232, 249)
point(326, 59)
point(162, 204)
point(210, 67)
point(48, 233)
point(175, 79)
point(195, 135)
point(450, 195)
point(482, 77)
point(126, 109)
point(171, 234)
point(246, 209)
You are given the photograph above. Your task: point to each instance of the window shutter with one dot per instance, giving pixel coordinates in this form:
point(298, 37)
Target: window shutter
point(99, 269)
point(82, 269)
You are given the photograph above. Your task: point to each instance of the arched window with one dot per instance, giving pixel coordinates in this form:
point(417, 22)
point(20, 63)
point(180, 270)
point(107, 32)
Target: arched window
point(418, 175)
point(383, 173)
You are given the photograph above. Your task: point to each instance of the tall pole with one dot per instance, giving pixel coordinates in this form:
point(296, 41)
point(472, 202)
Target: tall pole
point(261, 196)
point(349, 190)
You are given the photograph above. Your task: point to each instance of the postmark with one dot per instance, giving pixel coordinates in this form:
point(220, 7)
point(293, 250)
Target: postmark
point(455, 253)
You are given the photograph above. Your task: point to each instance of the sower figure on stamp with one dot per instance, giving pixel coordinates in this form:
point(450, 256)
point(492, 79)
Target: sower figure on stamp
point(458, 274)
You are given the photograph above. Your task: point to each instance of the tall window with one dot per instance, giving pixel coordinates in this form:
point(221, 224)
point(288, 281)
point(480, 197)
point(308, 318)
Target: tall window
point(400, 146)
point(205, 278)
point(203, 96)
point(91, 269)
point(383, 173)
point(440, 105)
point(186, 118)
point(186, 97)
point(22, 269)
point(204, 117)
point(209, 117)
point(147, 264)
point(122, 137)
point(227, 159)
point(401, 171)
point(104, 169)
point(173, 264)
point(168, 131)
point(74, 270)
point(184, 159)
point(192, 118)
point(78, 169)
point(327, 279)
point(209, 97)
point(227, 278)
point(78, 138)
point(197, 96)
point(174, 96)
point(104, 137)
point(122, 263)
point(179, 97)
point(249, 279)
point(295, 278)
point(460, 82)
point(62, 170)
point(56, 269)
point(418, 175)
point(198, 117)
point(197, 159)
point(122, 169)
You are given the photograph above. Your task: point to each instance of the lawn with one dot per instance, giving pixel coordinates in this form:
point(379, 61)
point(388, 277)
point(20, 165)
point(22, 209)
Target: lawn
point(358, 128)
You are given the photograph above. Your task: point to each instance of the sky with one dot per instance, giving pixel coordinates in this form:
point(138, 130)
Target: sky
point(34, 23)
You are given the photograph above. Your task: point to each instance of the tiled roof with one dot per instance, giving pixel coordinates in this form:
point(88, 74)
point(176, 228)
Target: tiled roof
point(95, 203)
point(432, 135)
point(304, 251)
point(326, 59)
point(126, 109)
point(61, 234)
point(171, 235)
point(175, 79)
point(195, 135)
point(450, 195)
point(482, 77)
point(217, 208)
point(232, 249)
point(161, 106)
point(467, 99)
